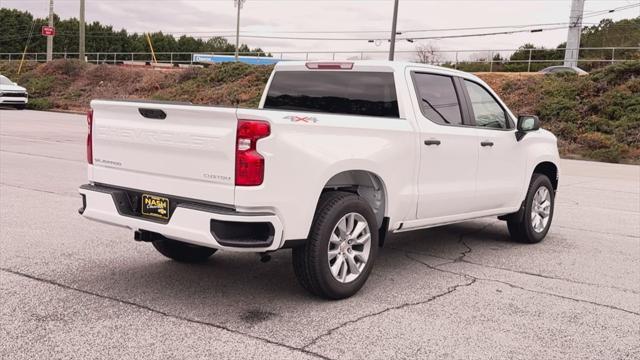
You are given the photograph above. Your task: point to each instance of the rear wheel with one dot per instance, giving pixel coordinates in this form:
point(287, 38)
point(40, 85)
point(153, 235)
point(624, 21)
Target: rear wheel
point(338, 256)
point(534, 224)
point(182, 252)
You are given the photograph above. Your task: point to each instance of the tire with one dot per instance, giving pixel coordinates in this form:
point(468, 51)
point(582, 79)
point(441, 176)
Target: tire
point(312, 263)
point(182, 252)
point(525, 228)
point(20, 106)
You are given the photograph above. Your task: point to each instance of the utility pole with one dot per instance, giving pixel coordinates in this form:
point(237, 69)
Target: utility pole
point(50, 38)
point(82, 29)
point(575, 30)
point(392, 46)
point(238, 3)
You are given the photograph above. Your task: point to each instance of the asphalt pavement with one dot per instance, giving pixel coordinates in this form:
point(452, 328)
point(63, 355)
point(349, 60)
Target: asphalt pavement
point(75, 289)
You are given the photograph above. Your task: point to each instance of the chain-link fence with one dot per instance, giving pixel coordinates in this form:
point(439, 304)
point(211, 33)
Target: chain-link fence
point(522, 60)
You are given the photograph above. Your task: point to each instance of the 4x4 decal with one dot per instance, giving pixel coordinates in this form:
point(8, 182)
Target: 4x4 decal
point(304, 119)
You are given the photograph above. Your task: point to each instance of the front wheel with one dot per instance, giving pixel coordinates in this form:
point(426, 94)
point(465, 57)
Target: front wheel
point(338, 256)
point(533, 225)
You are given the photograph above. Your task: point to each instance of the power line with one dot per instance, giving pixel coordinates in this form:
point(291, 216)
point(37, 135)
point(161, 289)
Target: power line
point(361, 39)
point(209, 34)
point(250, 34)
point(217, 35)
point(319, 1)
point(229, 32)
point(609, 11)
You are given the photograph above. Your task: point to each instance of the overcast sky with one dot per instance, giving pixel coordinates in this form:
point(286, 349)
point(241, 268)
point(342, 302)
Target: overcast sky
point(281, 17)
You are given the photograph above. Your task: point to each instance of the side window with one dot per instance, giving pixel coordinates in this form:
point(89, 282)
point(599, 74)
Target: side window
point(438, 98)
point(487, 111)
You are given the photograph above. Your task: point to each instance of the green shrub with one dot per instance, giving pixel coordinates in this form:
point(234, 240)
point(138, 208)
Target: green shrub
point(618, 73)
point(188, 75)
point(37, 85)
point(634, 85)
point(613, 154)
point(617, 103)
point(509, 86)
point(553, 108)
point(564, 130)
point(596, 140)
point(628, 133)
point(161, 97)
point(597, 123)
point(229, 72)
point(69, 68)
point(40, 104)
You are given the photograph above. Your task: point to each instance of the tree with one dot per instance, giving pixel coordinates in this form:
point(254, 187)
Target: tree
point(428, 54)
point(15, 28)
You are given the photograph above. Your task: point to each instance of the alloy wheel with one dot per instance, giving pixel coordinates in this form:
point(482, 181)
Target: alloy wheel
point(349, 247)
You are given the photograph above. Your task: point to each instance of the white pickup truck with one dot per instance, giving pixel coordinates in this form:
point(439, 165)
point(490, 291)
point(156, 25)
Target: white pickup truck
point(338, 155)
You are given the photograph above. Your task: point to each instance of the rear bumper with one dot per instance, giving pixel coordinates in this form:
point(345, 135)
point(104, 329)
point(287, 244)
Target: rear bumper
point(210, 226)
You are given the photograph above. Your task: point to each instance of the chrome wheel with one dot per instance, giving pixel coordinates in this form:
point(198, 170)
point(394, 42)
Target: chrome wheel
point(540, 209)
point(349, 247)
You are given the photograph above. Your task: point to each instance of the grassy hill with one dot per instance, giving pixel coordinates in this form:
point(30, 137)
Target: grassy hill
point(595, 117)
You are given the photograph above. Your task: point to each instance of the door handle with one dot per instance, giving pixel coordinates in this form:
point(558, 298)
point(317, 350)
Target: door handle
point(486, 143)
point(153, 113)
point(432, 142)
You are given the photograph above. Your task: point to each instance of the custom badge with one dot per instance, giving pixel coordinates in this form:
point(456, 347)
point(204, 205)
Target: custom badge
point(155, 206)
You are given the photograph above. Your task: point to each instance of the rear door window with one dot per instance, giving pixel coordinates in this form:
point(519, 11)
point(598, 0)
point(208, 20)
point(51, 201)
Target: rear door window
point(336, 92)
point(438, 98)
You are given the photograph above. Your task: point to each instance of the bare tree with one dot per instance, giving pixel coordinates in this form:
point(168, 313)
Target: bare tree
point(428, 54)
point(479, 56)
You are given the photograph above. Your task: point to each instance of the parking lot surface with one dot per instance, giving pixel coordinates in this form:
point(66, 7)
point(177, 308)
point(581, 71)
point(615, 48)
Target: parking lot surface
point(71, 288)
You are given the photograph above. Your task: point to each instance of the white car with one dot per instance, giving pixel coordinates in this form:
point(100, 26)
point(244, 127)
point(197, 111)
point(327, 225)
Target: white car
point(12, 94)
point(560, 69)
point(338, 155)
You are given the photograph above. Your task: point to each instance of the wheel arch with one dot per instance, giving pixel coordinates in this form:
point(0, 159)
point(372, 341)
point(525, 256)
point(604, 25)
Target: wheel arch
point(549, 169)
point(367, 185)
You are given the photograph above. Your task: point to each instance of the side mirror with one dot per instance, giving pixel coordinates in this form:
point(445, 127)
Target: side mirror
point(527, 123)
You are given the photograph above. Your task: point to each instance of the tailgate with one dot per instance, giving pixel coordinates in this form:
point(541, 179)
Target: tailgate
point(180, 150)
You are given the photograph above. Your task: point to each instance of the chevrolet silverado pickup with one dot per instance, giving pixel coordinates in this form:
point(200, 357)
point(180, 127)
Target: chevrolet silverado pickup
point(338, 155)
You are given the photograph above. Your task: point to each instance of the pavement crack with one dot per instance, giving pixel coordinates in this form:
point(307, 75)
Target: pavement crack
point(461, 241)
point(465, 252)
point(329, 332)
point(551, 277)
point(41, 156)
point(597, 232)
point(39, 190)
point(522, 272)
point(166, 314)
point(475, 278)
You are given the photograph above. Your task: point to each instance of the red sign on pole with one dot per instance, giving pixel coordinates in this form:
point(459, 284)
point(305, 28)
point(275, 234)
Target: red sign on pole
point(48, 31)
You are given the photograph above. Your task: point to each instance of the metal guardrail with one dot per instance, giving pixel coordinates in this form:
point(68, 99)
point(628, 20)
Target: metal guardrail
point(452, 58)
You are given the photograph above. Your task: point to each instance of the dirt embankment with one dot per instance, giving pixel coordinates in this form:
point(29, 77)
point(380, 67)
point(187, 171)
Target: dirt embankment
point(595, 117)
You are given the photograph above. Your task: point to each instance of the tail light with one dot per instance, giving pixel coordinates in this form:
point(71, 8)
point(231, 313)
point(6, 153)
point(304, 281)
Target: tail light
point(329, 65)
point(249, 163)
point(90, 137)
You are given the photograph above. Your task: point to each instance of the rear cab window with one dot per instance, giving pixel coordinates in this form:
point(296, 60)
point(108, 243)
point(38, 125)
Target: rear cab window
point(439, 101)
point(337, 92)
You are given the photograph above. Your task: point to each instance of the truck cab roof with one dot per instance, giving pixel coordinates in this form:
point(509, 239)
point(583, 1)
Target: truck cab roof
point(370, 65)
